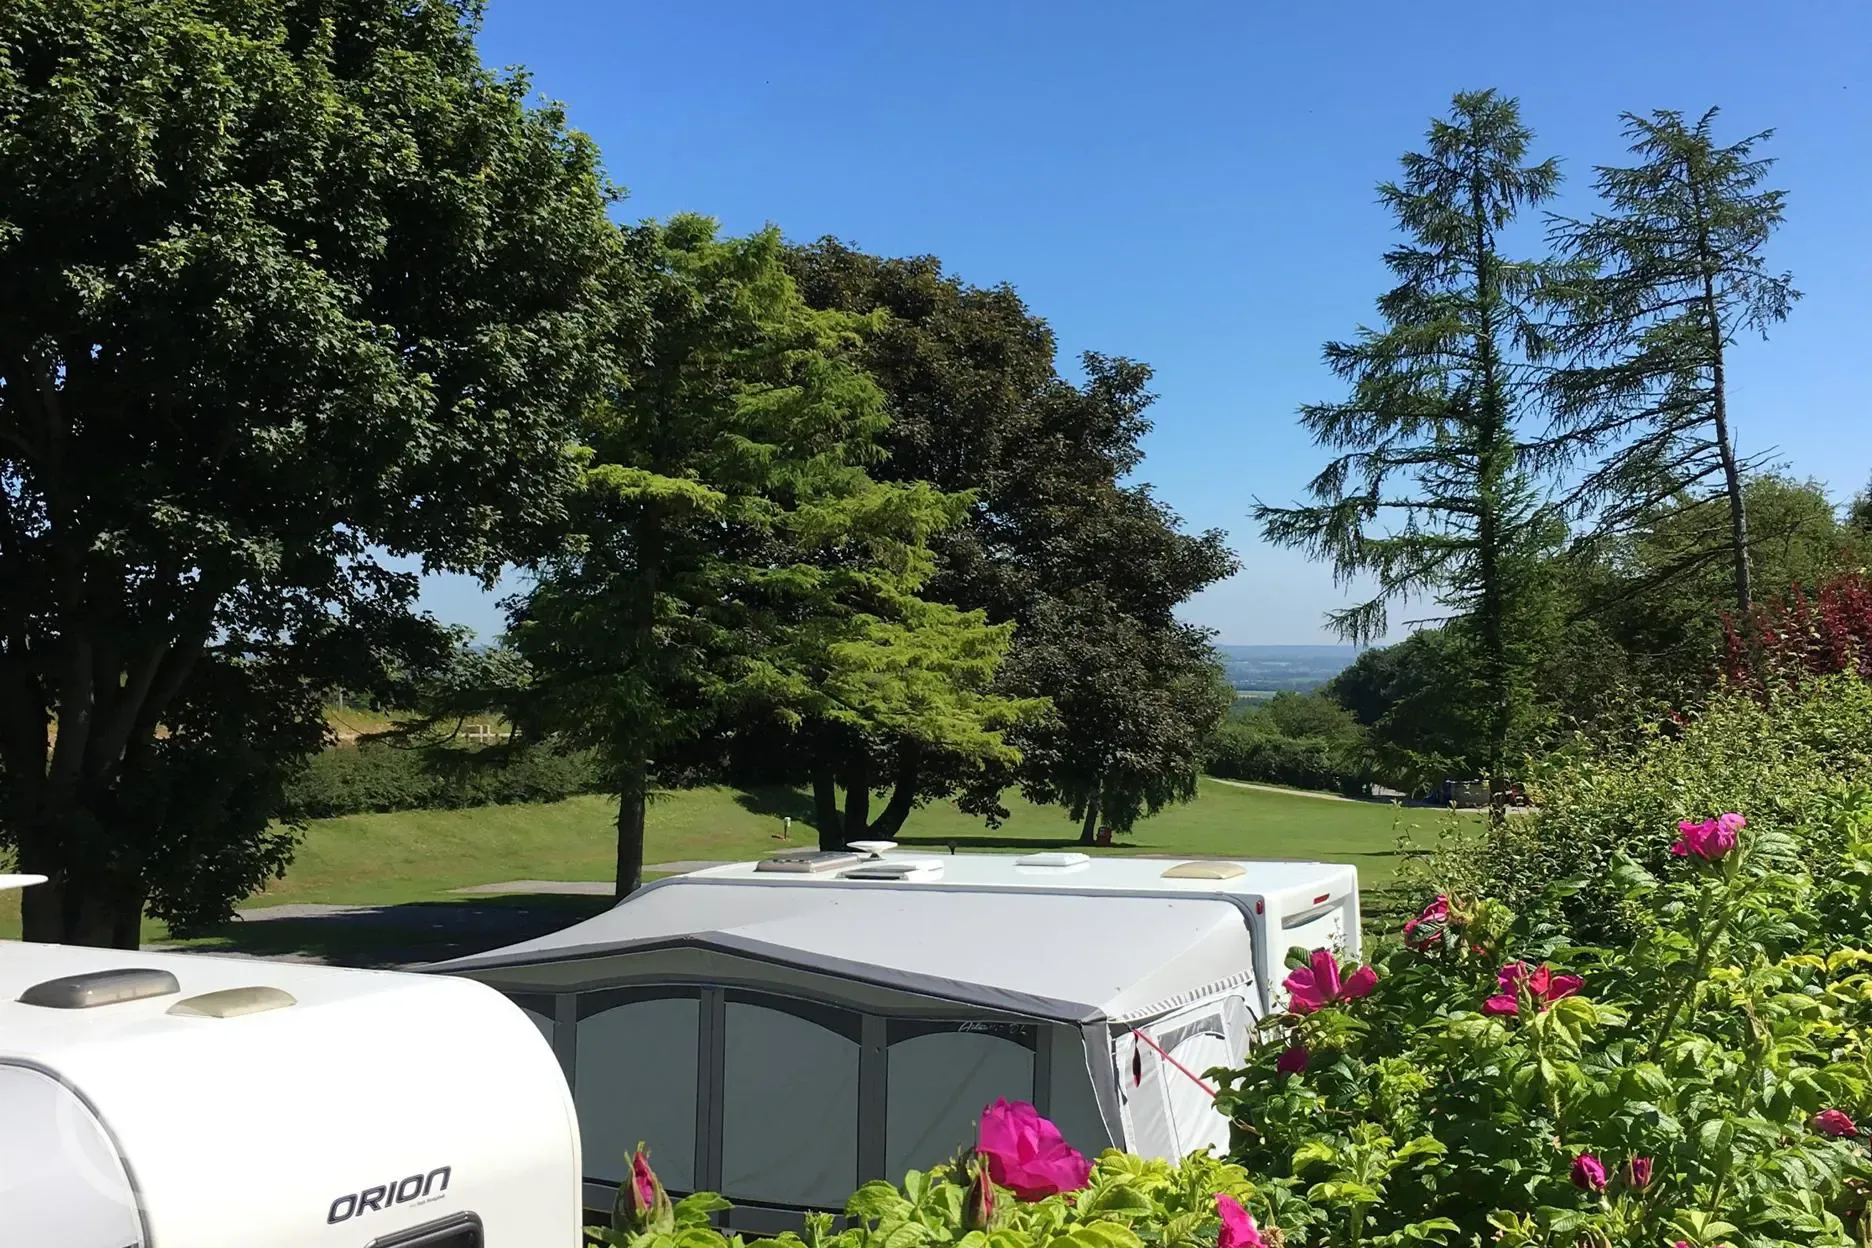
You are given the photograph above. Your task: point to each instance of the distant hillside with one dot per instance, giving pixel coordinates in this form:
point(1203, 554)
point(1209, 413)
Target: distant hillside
point(1270, 669)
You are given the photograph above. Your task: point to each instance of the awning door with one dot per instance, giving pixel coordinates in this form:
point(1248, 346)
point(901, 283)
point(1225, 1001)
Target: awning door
point(1167, 1100)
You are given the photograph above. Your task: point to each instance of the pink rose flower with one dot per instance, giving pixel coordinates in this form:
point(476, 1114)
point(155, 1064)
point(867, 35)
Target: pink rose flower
point(1543, 986)
point(1238, 1225)
point(642, 1204)
point(978, 1202)
point(1435, 917)
point(643, 1180)
point(1589, 1174)
point(1638, 1172)
point(1710, 839)
point(1027, 1154)
point(1835, 1123)
point(1317, 985)
point(1293, 1060)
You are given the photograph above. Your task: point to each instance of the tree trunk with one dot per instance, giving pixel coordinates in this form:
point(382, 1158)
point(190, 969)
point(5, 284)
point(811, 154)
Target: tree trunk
point(858, 799)
point(902, 800)
point(826, 809)
point(1719, 406)
point(1732, 469)
point(1088, 831)
point(102, 909)
point(633, 804)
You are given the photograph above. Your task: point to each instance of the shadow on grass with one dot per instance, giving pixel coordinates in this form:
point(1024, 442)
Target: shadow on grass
point(401, 934)
point(778, 802)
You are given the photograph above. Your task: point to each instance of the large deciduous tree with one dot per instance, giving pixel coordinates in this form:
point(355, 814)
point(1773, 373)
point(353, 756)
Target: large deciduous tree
point(1429, 493)
point(283, 286)
point(1675, 271)
point(737, 572)
point(1086, 567)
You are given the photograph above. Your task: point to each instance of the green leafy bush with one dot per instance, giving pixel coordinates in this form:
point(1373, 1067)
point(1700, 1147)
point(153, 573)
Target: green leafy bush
point(1303, 741)
point(1501, 1084)
point(376, 776)
point(1798, 759)
point(1126, 1202)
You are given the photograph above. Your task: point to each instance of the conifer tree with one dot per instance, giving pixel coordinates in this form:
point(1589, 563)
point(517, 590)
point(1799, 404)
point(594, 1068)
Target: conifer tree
point(1429, 493)
point(1674, 274)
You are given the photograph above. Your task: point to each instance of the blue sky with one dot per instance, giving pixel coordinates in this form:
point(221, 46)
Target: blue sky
point(1192, 185)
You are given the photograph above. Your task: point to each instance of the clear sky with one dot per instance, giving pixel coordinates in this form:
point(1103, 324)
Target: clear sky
point(1192, 185)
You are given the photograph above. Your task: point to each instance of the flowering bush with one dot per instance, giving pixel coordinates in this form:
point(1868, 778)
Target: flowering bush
point(1700, 1085)
point(1792, 759)
point(1119, 1201)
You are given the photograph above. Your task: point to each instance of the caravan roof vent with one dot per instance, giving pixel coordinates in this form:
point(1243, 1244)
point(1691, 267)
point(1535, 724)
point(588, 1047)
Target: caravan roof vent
point(877, 849)
point(1052, 860)
point(909, 872)
point(94, 988)
point(233, 1002)
point(1205, 871)
point(807, 861)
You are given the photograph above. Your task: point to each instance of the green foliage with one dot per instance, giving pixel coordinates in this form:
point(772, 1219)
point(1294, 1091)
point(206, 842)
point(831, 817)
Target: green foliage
point(1662, 284)
point(282, 286)
point(1303, 740)
point(1793, 760)
point(1648, 603)
point(377, 777)
point(1429, 492)
point(736, 566)
point(1129, 1203)
point(1706, 1042)
point(1088, 569)
point(1416, 699)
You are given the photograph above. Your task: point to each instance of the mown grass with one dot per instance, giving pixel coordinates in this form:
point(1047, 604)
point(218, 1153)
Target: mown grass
point(422, 856)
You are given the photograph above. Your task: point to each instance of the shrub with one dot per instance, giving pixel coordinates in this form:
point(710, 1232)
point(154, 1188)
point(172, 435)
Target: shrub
point(1793, 758)
point(1700, 1085)
point(1241, 750)
point(377, 777)
point(1125, 1202)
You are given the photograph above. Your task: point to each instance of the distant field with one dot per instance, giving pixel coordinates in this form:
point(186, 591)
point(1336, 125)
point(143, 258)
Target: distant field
point(422, 855)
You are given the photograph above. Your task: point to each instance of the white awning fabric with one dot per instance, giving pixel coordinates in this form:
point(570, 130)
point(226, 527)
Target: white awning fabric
point(1069, 957)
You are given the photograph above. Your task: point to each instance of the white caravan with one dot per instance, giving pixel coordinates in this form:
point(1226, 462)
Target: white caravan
point(182, 1101)
point(783, 1031)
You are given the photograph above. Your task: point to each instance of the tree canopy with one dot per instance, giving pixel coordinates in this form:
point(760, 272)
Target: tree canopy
point(285, 287)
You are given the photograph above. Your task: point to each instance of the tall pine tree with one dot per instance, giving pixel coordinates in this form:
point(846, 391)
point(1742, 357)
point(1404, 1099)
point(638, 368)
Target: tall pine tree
point(1676, 274)
point(1428, 492)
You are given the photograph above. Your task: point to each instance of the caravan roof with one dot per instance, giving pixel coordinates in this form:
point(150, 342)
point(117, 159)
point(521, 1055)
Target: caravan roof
point(1110, 939)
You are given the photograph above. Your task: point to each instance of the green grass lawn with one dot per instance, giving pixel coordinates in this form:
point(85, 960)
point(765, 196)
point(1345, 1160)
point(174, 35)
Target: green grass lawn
point(420, 856)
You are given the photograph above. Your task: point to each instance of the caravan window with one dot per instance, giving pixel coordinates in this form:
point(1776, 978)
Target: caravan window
point(635, 1079)
point(939, 1075)
point(789, 1101)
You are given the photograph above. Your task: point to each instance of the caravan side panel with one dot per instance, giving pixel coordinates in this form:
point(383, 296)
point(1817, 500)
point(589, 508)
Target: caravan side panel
point(61, 1178)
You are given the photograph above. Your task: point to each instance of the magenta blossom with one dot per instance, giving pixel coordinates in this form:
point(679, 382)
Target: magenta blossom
point(1238, 1225)
point(1318, 984)
point(978, 1201)
point(1027, 1154)
point(1710, 839)
point(642, 1204)
point(1542, 985)
point(1293, 1060)
point(1435, 917)
point(1589, 1173)
point(1835, 1123)
point(1638, 1173)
